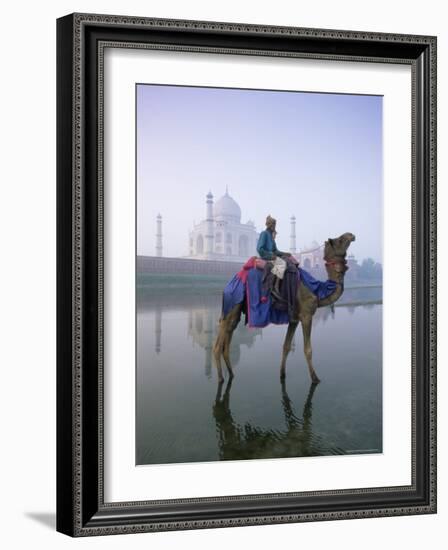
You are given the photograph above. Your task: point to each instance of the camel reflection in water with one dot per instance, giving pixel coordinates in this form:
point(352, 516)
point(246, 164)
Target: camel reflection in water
point(245, 441)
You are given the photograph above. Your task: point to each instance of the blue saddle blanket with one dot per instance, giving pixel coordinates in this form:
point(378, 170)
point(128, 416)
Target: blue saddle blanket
point(246, 287)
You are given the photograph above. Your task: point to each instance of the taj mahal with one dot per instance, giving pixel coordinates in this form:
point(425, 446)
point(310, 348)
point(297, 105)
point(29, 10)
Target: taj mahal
point(222, 236)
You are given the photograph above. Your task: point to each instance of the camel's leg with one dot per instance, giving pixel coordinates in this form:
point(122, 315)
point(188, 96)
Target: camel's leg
point(287, 347)
point(226, 352)
point(306, 328)
point(217, 348)
point(234, 319)
point(222, 344)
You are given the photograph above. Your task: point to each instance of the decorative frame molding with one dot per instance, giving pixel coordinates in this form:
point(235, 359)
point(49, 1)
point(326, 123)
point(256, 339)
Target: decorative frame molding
point(81, 510)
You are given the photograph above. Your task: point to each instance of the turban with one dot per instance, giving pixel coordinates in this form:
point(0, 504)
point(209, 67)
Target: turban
point(270, 220)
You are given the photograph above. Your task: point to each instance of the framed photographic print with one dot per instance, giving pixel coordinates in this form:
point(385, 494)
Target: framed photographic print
point(246, 274)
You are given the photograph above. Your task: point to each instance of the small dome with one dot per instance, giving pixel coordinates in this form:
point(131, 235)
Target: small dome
point(227, 208)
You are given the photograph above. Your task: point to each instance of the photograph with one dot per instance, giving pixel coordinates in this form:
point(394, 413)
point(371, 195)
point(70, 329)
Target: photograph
point(246, 274)
point(259, 274)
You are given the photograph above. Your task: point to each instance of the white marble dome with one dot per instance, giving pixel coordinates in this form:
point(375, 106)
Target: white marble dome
point(227, 209)
point(221, 235)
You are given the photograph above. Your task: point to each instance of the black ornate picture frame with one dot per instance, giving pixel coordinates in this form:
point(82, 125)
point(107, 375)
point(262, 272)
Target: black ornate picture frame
point(81, 509)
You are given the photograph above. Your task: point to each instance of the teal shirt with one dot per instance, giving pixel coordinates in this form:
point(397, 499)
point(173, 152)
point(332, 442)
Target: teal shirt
point(266, 246)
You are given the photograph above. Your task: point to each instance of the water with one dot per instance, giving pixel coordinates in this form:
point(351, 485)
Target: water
point(184, 415)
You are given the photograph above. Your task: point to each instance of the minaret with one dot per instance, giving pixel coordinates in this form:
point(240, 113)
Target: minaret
point(159, 250)
point(208, 248)
point(292, 244)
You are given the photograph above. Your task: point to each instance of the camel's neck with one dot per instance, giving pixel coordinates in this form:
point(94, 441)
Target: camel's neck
point(334, 274)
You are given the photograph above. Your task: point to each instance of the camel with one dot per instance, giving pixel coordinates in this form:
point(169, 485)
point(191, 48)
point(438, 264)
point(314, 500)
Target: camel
point(335, 251)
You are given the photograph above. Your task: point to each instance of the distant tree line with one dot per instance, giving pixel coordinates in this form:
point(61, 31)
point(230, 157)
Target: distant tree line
point(370, 270)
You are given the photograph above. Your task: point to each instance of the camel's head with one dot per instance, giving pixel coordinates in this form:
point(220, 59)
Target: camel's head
point(337, 248)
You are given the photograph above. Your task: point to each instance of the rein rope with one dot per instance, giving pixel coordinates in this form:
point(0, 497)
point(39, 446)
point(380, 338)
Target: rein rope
point(312, 249)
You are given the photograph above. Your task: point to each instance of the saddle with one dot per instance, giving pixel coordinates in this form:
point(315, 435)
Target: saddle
point(282, 291)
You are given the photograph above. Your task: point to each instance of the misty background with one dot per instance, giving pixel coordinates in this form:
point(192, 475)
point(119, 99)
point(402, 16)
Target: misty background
point(315, 155)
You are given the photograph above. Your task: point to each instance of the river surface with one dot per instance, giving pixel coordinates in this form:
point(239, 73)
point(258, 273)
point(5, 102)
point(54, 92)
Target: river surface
point(184, 415)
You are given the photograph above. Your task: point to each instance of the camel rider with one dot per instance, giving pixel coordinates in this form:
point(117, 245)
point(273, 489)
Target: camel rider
point(267, 249)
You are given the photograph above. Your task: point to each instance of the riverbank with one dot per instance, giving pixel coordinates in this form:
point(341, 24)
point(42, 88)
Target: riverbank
point(159, 287)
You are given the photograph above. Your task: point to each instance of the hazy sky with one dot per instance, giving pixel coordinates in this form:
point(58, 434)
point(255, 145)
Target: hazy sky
point(317, 156)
